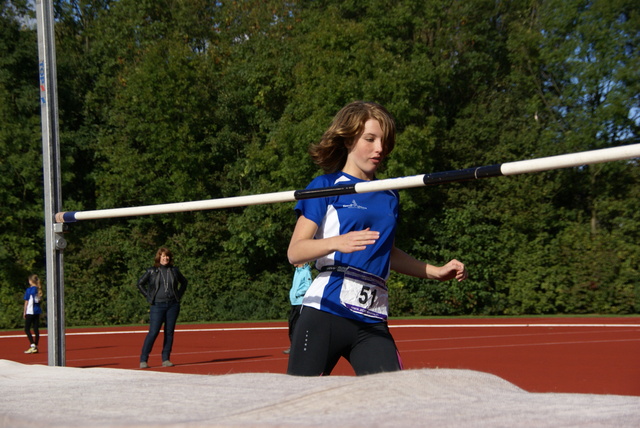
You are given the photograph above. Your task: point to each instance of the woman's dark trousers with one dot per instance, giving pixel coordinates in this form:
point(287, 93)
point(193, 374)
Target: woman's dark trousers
point(161, 313)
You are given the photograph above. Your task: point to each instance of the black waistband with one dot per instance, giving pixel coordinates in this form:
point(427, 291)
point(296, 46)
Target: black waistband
point(334, 268)
point(356, 273)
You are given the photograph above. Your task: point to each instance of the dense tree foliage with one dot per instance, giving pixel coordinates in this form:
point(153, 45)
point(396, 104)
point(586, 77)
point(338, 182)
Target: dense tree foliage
point(178, 100)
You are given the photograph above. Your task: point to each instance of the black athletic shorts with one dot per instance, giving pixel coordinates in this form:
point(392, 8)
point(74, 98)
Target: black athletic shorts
point(320, 339)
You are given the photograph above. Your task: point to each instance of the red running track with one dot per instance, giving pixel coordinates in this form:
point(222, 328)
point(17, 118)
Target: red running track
point(562, 355)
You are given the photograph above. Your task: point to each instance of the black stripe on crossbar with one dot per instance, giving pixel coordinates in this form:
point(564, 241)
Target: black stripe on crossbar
point(462, 174)
point(429, 179)
point(346, 189)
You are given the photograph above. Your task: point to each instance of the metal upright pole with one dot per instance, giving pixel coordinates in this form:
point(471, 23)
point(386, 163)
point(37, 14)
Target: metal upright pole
point(55, 242)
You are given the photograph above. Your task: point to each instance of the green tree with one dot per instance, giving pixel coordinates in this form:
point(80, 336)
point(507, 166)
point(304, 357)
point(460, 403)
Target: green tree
point(21, 205)
point(165, 101)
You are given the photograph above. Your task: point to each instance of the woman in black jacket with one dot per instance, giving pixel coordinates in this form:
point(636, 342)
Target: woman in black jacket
point(163, 286)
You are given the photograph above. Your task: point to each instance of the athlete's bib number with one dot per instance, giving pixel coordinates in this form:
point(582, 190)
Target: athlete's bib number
point(365, 294)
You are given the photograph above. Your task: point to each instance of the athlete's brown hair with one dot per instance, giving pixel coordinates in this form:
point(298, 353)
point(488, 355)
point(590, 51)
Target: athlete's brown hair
point(331, 152)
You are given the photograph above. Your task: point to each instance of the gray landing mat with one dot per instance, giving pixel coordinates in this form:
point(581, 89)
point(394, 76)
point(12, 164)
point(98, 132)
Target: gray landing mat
point(36, 395)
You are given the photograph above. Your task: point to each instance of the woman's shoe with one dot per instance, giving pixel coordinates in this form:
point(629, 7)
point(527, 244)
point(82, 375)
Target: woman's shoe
point(33, 349)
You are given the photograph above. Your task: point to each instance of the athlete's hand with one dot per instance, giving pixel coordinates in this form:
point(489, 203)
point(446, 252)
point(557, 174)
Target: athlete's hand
point(453, 269)
point(356, 240)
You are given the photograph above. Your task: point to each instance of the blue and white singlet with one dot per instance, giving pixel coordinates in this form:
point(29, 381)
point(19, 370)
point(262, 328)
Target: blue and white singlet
point(352, 295)
point(33, 301)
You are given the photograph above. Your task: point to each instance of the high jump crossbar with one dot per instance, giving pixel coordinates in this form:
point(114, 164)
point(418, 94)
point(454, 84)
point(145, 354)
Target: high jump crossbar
point(510, 168)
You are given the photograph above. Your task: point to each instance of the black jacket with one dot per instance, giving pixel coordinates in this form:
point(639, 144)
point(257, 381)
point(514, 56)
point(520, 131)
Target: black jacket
point(149, 283)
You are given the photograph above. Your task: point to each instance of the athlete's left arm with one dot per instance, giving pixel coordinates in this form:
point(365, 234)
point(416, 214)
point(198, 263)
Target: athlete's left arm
point(402, 262)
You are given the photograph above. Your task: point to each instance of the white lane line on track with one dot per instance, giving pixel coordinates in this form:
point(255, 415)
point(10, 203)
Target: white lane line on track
point(518, 345)
point(505, 336)
point(178, 330)
point(205, 353)
point(222, 329)
point(509, 325)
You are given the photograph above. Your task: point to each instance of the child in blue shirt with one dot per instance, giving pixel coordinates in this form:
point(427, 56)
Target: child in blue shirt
point(299, 286)
point(31, 313)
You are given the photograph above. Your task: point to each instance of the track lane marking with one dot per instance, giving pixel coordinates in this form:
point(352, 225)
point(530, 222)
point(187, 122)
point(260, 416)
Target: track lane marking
point(223, 329)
